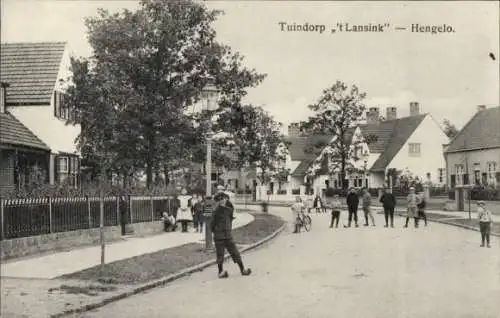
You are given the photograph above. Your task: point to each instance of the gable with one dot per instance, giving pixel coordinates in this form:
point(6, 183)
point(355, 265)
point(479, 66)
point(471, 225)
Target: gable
point(481, 132)
point(299, 145)
point(31, 69)
point(395, 134)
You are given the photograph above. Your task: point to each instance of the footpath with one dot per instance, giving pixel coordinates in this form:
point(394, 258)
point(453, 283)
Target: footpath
point(61, 263)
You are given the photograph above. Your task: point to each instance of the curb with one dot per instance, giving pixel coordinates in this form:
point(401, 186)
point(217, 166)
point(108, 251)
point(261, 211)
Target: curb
point(466, 227)
point(163, 281)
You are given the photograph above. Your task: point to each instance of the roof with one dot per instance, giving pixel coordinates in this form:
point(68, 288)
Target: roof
point(13, 132)
point(31, 69)
point(301, 169)
point(298, 146)
point(391, 136)
point(481, 132)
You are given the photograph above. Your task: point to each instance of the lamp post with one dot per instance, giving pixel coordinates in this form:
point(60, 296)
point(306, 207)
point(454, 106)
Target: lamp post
point(210, 95)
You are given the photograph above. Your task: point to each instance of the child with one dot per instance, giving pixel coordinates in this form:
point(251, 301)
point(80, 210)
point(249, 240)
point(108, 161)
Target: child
point(297, 209)
point(221, 226)
point(485, 219)
point(168, 222)
point(335, 205)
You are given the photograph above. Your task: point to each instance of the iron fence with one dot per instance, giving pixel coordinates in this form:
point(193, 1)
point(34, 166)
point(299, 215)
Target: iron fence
point(37, 216)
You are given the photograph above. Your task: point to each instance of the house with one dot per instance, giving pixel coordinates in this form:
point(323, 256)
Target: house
point(34, 106)
point(473, 156)
point(412, 143)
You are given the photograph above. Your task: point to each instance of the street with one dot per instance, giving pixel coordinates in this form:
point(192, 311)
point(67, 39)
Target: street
point(438, 271)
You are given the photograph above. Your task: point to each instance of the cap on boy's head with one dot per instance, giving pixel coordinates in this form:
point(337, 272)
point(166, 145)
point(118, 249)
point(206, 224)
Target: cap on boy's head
point(220, 187)
point(220, 196)
point(480, 202)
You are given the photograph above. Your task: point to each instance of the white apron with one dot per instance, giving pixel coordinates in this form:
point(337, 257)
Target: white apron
point(184, 212)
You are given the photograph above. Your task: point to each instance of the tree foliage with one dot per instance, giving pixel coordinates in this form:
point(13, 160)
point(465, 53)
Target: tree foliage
point(148, 67)
point(336, 114)
point(450, 129)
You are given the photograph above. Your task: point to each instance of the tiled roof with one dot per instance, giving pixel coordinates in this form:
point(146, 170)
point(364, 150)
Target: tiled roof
point(481, 132)
point(12, 132)
point(392, 136)
point(299, 145)
point(301, 169)
point(31, 70)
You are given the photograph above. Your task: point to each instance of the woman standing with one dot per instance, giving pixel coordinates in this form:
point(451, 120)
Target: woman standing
point(317, 204)
point(184, 215)
point(297, 209)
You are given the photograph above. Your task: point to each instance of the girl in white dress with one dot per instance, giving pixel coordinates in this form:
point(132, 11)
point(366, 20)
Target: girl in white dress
point(184, 215)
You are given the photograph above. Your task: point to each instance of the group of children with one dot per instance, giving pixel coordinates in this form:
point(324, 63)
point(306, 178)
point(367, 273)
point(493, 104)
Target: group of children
point(416, 206)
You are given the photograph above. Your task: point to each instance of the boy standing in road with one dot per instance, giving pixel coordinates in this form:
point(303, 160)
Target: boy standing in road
point(352, 205)
point(485, 219)
point(413, 201)
point(221, 227)
point(421, 207)
point(367, 203)
point(389, 202)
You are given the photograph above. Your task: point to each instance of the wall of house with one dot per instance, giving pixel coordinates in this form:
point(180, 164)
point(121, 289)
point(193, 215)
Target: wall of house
point(52, 131)
point(64, 74)
point(479, 156)
point(431, 139)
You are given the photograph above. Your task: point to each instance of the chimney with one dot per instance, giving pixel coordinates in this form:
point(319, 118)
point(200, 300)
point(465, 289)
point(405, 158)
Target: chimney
point(372, 116)
point(293, 130)
point(414, 109)
point(481, 107)
point(392, 113)
point(3, 96)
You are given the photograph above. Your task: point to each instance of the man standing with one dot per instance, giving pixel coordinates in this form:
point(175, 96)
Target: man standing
point(412, 201)
point(352, 205)
point(389, 202)
point(221, 227)
point(367, 203)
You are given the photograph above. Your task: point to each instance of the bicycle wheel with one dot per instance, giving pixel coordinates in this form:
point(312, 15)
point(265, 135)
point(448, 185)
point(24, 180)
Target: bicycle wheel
point(307, 223)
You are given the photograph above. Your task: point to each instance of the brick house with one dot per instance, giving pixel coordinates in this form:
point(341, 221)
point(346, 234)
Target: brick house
point(473, 156)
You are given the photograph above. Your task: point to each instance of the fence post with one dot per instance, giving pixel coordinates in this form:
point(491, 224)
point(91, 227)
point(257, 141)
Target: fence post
point(2, 233)
point(130, 209)
point(51, 220)
point(117, 210)
point(101, 229)
point(88, 211)
point(152, 209)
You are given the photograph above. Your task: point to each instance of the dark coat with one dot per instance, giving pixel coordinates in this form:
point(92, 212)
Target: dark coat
point(421, 205)
point(222, 223)
point(352, 200)
point(388, 200)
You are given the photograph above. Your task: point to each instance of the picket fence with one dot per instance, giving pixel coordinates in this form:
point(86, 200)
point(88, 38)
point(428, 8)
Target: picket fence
point(37, 216)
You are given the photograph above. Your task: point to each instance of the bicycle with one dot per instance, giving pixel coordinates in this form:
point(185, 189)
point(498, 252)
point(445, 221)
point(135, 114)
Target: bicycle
point(304, 221)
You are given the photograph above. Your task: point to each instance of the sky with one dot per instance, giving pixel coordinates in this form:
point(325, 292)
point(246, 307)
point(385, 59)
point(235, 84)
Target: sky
point(449, 74)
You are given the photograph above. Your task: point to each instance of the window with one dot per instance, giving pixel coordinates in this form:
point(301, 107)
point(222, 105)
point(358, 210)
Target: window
point(414, 149)
point(492, 169)
point(61, 108)
point(459, 171)
point(477, 177)
point(441, 175)
point(63, 165)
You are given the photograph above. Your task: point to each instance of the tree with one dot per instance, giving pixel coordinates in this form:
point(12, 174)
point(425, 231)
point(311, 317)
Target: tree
point(449, 129)
point(148, 66)
point(256, 140)
point(337, 112)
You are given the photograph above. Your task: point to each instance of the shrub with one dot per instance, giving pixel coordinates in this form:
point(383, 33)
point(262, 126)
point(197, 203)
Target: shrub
point(485, 193)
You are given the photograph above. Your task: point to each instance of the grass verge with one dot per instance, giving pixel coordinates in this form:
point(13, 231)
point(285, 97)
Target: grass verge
point(152, 266)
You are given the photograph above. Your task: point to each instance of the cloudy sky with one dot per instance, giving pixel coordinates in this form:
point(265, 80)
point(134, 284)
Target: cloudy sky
point(449, 73)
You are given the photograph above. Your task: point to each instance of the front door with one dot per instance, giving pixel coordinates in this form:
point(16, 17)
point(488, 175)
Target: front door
point(460, 199)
